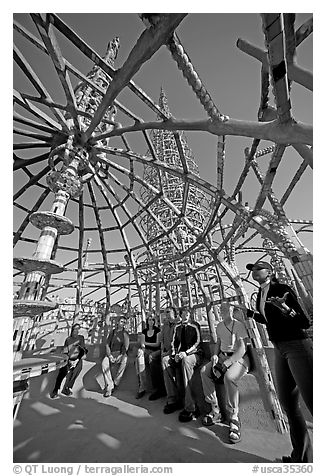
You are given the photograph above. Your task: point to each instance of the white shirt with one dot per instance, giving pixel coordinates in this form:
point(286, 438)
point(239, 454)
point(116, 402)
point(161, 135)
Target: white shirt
point(228, 335)
point(264, 290)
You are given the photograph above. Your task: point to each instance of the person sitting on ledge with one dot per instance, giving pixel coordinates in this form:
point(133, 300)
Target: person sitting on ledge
point(186, 354)
point(173, 398)
point(116, 357)
point(148, 360)
point(76, 350)
point(229, 363)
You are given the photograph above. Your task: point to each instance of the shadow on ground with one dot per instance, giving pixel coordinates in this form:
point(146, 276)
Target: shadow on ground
point(89, 428)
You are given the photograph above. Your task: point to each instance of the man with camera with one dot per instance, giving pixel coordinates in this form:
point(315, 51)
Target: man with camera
point(229, 363)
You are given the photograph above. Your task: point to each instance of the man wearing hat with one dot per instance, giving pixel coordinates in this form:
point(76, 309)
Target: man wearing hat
point(278, 308)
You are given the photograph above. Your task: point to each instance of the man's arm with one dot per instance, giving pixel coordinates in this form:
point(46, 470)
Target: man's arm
point(164, 337)
point(257, 316)
point(82, 344)
point(108, 350)
point(125, 343)
point(65, 349)
point(215, 350)
point(249, 313)
point(239, 351)
point(174, 342)
point(240, 346)
point(197, 340)
point(108, 344)
point(290, 307)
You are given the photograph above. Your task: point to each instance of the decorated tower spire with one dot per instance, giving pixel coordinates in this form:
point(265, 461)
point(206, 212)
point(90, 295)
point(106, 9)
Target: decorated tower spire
point(65, 182)
point(173, 149)
point(163, 103)
point(112, 50)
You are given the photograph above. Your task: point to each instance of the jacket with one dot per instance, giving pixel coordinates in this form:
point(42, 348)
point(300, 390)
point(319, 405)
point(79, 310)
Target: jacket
point(167, 333)
point(75, 347)
point(281, 326)
point(189, 341)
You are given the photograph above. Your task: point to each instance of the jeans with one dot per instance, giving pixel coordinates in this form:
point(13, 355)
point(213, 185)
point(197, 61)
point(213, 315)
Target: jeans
point(231, 378)
point(294, 376)
point(149, 369)
point(118, 368)
point(71, 373)
point(177, 379)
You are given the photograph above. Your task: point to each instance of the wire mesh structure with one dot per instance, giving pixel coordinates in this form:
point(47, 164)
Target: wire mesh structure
point(173, 150)
point(156, 227)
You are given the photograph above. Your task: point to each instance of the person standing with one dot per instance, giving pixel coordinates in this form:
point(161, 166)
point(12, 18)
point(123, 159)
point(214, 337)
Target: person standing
point(76, 350)
point(115, 361)
point(278, 308)
point(186, 354)
point(229, 363)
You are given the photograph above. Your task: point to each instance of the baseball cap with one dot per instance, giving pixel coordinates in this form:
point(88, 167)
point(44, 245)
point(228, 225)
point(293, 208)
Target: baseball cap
point(259, 265)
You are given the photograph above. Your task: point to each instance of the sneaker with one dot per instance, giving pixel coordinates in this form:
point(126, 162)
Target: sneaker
point(186, 416)
point(107, 393)
point(54, 395)
point(66, 391)
point(140, 394)
point(171, 407)
point(211, 419)
point(234, 430)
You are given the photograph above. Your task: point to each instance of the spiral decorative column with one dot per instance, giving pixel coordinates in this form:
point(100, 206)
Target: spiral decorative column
point(52, 223)
point(75, 161)
point(277, 263)
point(64, 183)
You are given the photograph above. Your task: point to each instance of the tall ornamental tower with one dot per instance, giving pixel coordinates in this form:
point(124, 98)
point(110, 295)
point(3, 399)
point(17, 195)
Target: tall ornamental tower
point(168, 148)
point(70, 165)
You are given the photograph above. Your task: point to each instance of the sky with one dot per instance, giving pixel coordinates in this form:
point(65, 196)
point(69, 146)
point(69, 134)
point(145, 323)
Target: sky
point(231, 77)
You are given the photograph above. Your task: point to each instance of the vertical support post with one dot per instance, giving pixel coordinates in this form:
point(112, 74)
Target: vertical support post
point(215, 309)
point(80, 282)
point(150, 294)
point(158, 293)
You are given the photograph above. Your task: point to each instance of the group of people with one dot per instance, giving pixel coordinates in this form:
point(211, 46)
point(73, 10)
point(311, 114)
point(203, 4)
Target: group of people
point(168, 357)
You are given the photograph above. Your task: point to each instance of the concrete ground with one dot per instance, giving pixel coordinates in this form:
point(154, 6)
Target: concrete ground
point(89, 428)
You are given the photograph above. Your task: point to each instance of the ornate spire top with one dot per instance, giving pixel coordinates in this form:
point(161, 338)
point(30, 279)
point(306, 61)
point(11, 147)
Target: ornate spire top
point(163, 103)
point(112, 50)
point(164, 141)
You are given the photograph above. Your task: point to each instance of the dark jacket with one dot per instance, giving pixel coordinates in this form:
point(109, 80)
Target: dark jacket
point(188, 341)
point(281, 326)
point(75, 347)
point(167, 333)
